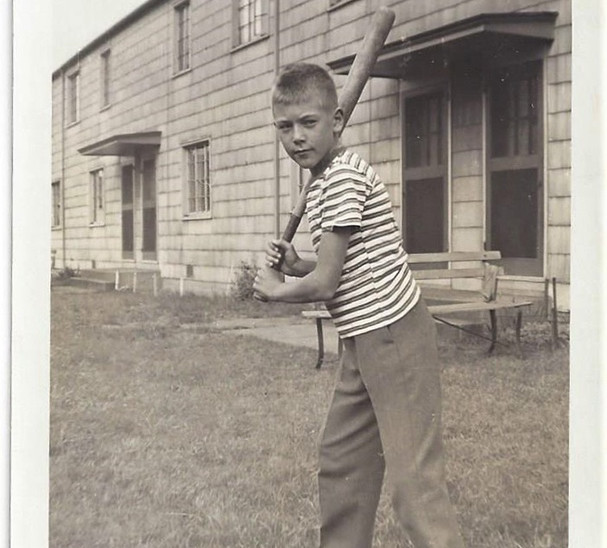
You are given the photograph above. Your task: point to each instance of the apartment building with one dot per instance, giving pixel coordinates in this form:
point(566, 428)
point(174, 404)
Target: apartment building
point(165, 158)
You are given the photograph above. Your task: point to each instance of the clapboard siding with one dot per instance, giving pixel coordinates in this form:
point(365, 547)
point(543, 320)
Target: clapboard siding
point(224, 98)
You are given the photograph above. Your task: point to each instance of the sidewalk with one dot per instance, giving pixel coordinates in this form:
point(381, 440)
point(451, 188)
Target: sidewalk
point(287, 330)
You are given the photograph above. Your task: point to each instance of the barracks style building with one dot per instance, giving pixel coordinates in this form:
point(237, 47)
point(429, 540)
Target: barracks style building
point(165, 158)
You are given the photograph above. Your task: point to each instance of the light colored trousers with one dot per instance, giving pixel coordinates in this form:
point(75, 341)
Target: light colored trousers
point(386, 410)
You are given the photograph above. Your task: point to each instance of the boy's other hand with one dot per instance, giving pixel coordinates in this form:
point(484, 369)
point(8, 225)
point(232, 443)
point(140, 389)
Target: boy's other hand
point(265, 284)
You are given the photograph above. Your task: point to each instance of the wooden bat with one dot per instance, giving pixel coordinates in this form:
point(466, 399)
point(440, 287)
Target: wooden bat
point(374, 39)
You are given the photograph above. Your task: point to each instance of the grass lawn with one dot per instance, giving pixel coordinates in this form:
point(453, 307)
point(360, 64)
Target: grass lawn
point(167, 437)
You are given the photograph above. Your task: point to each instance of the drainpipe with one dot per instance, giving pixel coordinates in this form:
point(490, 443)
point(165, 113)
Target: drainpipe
point(63, 182)
point(276, 141)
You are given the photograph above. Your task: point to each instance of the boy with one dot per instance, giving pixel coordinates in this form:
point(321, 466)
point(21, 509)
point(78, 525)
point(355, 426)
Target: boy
point(386, 402)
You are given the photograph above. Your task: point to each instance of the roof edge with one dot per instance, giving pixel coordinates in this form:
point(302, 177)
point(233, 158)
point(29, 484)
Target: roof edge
point(456, 26)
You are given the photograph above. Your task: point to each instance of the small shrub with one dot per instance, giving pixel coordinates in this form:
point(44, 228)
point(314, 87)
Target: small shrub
point(67, 273)
point(242, 285)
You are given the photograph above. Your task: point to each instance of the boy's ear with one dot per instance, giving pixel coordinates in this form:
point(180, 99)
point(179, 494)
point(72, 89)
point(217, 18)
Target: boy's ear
point(338, 120)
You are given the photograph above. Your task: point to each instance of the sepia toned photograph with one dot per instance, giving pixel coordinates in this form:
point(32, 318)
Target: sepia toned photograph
point(310, 267)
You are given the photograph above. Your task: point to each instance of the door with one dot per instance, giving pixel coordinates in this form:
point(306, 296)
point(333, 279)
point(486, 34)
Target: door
point(424, 174)
point(128, 234)
point(515, 218)
point(148, 208)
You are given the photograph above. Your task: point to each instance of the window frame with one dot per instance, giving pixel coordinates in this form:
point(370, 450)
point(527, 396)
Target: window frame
point(182, 60)
point(238, 41)
point(56, 204)
point(190, 211)
point(97, 197)
point(105, 78)
point(72, 97)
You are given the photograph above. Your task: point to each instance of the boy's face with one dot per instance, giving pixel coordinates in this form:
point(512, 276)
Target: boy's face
point(308, 130)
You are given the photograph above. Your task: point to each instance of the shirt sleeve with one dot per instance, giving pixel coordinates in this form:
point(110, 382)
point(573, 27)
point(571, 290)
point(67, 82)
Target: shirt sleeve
point(344, 196)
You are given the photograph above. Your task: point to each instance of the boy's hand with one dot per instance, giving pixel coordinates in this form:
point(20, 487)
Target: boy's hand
point(281, 250)
point(265, 284)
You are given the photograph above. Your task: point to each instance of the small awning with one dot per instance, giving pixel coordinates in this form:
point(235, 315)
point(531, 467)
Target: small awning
point(482, 40)
point(125, 144)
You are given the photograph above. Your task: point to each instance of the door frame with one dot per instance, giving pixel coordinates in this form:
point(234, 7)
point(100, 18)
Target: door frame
point(531, 267)
point(440, 86)
point(148, 256)
point(128, 256)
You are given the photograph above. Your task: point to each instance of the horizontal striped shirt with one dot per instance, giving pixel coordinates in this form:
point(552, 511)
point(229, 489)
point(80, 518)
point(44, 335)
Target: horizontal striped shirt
point(376, 287)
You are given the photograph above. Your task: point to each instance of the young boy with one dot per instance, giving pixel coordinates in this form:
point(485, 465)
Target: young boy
point(386, 405)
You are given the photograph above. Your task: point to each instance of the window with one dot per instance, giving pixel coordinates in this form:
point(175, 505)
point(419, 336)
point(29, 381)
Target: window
point(97, 201)
point(182, 36)
point(514, 197)
point(56, 204)
point(73, 97)
point(251, 20)
point(198, 182)
point(105, 78)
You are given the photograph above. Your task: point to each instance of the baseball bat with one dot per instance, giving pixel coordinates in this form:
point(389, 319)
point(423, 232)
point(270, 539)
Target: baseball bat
point(359, 73)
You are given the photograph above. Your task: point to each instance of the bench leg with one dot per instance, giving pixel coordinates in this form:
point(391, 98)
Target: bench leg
point(493, 316)
point(321, 343)
point(519, 321)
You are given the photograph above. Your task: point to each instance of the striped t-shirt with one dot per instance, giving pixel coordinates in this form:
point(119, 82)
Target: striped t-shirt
point(376, 287)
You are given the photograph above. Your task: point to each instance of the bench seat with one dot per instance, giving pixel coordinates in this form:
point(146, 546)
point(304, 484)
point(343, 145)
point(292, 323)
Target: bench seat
point(444, 300)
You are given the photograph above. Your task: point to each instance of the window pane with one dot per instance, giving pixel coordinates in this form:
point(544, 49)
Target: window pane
point(73, 98)
point(514, 120)
point(251, 17)
point(183, 36)
point(424, 218)
point(198, 183)
point(423, 128)
point(514, 213)
point(105, 60)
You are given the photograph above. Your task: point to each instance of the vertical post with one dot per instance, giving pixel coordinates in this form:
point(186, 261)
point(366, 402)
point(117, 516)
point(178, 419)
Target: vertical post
point(117, 280)
point(155, 284)
point(555, 319)
point(546, 299)
point(276, 141)
point(134, 281)
point(181, 287)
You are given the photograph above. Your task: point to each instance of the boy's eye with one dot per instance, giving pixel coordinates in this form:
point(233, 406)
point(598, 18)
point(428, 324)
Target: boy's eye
point(309, 122)
point(282, 126)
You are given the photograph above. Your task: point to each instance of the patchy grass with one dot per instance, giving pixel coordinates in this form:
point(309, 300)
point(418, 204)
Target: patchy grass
point(164, 437)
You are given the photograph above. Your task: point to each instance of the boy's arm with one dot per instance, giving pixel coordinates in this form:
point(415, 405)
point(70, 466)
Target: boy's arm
point(320, 283)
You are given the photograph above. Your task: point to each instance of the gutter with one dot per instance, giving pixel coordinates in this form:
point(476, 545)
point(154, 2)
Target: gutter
point(276, 141)
point(63, 186)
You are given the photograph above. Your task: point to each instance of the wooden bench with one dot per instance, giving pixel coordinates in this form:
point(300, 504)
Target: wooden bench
point(435, 273)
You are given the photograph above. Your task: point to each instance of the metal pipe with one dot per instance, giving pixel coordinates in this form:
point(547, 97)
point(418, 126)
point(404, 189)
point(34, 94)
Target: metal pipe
point(276, 141)
point(62, 184)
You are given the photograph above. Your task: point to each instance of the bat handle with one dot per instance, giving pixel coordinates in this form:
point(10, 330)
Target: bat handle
point(288, 234)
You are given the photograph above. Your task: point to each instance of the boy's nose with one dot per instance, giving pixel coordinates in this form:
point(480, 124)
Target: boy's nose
point(298, 134)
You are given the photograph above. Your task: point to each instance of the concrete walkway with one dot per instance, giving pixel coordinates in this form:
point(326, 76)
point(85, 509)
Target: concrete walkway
point(288, 330)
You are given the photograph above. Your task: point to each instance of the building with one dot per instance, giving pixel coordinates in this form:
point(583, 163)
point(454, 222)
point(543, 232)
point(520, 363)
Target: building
point(164, 156)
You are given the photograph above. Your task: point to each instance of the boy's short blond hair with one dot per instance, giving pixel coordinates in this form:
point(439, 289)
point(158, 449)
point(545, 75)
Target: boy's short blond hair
point(300, 82)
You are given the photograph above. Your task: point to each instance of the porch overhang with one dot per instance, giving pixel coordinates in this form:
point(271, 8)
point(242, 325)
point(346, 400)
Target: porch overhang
point(125, 144)
point(482, 40)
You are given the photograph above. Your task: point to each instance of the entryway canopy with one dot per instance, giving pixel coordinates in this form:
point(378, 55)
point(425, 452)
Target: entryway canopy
point(125, 144)
point(483, 40)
